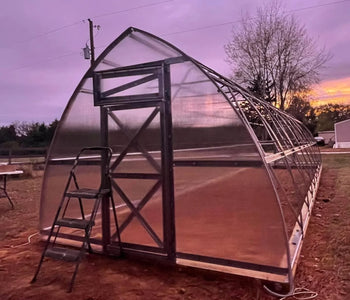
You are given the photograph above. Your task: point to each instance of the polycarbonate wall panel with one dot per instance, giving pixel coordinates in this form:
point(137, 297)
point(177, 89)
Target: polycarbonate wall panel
point(228, 213)
point(124, 125)
point(80, 125)
point(51, 193)
point(221, 211)
point(78, 128)
point(56, 177)
point(203, 120)
point(291, 152)
point(133, 231)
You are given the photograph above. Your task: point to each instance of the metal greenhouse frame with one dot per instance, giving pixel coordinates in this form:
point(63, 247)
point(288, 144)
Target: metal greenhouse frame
point(204, 174)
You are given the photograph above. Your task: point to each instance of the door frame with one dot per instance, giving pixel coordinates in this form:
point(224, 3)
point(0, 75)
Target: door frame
point(110, 101)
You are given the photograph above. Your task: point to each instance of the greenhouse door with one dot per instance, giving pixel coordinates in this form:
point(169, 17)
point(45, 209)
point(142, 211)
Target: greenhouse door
point(136, 124)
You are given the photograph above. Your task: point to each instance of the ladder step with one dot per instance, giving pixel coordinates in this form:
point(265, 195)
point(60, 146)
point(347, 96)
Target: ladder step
point(87, 193)
point(65, 254)
point(74, 223)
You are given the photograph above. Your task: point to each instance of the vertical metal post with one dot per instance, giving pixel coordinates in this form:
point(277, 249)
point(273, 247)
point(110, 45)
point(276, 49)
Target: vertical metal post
point(106, 233)
point(92, 46)
point(10, 156)
point(167, 165)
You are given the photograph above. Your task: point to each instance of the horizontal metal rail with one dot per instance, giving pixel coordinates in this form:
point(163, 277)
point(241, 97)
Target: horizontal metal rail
point(233, 263)
point(217, 163)
point(276, 156)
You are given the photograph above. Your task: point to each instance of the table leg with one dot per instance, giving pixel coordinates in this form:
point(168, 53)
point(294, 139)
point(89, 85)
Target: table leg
point(3, 188)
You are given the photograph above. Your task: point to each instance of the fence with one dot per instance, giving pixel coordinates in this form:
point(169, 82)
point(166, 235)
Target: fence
point(23, 155)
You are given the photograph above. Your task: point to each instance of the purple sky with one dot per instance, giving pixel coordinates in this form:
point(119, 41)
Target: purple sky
point(41, 59)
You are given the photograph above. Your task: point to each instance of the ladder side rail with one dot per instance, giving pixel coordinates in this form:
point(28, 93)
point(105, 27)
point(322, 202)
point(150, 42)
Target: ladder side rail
point(72, 172)
point(88, 229)
point(51, 230)
point(115, 217)
point(71, 175)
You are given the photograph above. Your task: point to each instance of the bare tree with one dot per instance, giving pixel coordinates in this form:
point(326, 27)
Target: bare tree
point(274, 48)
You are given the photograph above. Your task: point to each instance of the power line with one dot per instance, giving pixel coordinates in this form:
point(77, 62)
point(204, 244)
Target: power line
point(155, 4)
point(318, 5)
point(165, 34)
point(130, 9)
point(44, 34)
point(93, 17)
point(238, 21)
point(43, 60)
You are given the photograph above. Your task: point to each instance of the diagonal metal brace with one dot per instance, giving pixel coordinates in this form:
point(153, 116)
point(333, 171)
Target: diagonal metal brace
point(136, 144)
point(136, 213)
point(134, 139)
point(141, 204)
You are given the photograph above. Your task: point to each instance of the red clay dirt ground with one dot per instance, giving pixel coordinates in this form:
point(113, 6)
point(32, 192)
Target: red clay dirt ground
point(324, 266)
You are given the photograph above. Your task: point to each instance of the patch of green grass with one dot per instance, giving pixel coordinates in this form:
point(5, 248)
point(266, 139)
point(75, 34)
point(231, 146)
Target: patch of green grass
point(341, 162)
point(336, 225)
point(336, 161)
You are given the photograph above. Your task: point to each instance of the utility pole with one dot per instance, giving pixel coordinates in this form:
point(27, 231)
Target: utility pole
point(105, 205)
point(92, 47)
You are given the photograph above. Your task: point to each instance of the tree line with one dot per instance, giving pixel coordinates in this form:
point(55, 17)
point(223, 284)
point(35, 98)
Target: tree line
point(31, 135)
point(24, 134)
point(319, 118)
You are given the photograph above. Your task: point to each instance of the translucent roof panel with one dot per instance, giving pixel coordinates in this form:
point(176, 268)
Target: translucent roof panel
point(135, 48)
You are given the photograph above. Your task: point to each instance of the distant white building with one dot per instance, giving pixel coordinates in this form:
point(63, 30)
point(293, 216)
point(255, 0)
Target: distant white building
point(327, 135)
point(342, 134)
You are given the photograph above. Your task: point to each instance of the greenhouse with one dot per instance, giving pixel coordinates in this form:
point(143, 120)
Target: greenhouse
point(203, 173)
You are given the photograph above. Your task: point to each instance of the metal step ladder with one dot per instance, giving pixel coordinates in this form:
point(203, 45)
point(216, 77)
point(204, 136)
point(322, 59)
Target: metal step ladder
point(84, 222)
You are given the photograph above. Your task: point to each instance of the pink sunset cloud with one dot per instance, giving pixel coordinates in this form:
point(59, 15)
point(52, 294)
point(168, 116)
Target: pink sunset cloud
point(335, 91)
